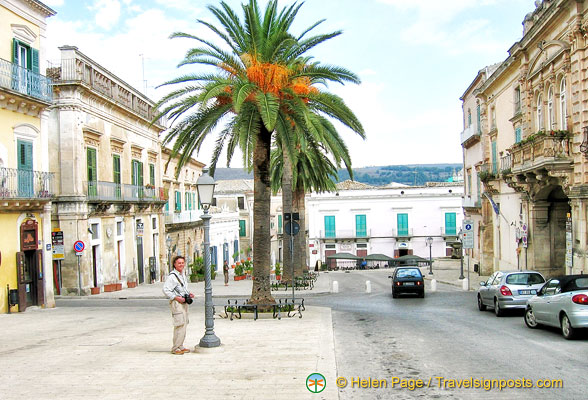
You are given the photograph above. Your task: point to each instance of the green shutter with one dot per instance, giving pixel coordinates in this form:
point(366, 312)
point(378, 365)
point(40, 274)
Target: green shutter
point(14, 51)
point(152, 175)
point(242, 230)
point(280, 223)
point(34, 63)
point(140, 165)
point(25, 168)
point(116, 175)
point(133, 172)
point(450, 224)
point(92, 172)
point(330, 230)
point(478, 119)
point(402, 222)
point(518, 135)
point(360, 226)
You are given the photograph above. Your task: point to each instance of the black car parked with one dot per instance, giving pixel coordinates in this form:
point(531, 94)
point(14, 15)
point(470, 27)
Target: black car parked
point(407, 280)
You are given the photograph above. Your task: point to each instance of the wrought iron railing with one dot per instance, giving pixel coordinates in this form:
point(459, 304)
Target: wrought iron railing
point(110, 191)
point(26, 184)
point(25, 81)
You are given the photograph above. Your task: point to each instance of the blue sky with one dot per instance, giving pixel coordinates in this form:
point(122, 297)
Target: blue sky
point(415, 59)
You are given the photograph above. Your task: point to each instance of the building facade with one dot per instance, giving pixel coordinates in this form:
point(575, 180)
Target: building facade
point(183, 225)
point(107, 161)
point(394, 221)
point(535, 130)
point(26, 185)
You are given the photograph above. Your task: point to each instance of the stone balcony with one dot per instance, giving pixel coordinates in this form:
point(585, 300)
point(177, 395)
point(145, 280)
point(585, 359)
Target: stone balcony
point(538, 158)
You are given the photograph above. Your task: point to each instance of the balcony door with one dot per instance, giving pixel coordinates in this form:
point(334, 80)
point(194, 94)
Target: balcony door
point(25, 168)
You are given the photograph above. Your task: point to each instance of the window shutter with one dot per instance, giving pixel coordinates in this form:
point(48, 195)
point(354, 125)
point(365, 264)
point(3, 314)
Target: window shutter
point(14, 51)
point(34, 65)
point(152, 174)
point(91, 164)
point(140, 164)
point(116, 168)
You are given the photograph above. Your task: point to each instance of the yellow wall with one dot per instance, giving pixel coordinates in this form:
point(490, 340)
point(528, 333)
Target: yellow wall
point(9, 246)
point(8, 18)
point(8, 120)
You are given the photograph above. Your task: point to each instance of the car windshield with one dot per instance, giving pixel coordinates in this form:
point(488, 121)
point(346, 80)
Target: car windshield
point(408, 273)
point(524, 279)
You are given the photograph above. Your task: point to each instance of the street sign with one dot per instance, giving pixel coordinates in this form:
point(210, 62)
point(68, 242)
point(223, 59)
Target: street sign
point(79, 246)
point(467, 238)
point(569, 251)
point(139, 229)
point(57, 244)
point(292, 228)
point(524, 233)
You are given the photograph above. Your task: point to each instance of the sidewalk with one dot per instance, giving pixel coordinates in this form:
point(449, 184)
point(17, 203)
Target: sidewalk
point(122, 351)
point(219, 290)
point(447, 270)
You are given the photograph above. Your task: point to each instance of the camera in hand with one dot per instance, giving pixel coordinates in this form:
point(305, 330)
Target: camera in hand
point(188, 299)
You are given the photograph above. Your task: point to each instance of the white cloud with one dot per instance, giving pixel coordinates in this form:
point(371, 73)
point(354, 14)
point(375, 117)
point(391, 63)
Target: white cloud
point(107, 13)
point(444, 24)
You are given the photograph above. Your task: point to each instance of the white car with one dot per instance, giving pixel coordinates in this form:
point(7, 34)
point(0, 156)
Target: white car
point(562, 302)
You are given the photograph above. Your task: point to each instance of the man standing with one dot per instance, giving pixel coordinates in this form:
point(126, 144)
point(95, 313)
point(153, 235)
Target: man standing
point(176, 290)
point(226, 273)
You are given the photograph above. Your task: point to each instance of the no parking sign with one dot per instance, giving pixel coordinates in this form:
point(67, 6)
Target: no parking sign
point(79, 247)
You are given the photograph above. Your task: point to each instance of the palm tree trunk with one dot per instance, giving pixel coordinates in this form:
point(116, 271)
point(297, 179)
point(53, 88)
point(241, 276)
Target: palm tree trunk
point(261, 291)
point(300, 247)
point(286, 210)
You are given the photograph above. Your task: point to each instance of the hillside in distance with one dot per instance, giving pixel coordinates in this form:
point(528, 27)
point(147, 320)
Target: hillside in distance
point(413, 174)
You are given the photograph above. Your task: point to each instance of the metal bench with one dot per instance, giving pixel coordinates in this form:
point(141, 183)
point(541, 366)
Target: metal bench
point(234, 307)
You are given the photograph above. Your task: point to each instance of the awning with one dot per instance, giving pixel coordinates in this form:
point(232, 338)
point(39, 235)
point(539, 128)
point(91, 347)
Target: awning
point(378, 257)
point(344, 256)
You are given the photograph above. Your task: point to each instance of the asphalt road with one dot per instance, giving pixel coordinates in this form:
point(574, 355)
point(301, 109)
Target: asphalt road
point(443, 336)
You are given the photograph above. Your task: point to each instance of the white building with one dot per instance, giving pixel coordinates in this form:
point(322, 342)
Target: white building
point(394, 221)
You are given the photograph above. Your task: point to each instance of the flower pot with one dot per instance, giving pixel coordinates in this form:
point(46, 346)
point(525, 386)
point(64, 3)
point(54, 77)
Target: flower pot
point(279, 277)
point(239, 278)
point(131, 285)
point(95, 290)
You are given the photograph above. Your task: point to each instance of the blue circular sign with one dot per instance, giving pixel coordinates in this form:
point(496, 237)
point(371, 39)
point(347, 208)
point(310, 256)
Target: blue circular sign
point(468, 227)
point(79, 246)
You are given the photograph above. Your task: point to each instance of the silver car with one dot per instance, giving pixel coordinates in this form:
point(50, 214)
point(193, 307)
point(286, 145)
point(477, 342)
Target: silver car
point(561, 302)
point(508, 290)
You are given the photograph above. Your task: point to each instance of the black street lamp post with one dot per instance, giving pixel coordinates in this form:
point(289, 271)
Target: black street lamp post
point(430, 244)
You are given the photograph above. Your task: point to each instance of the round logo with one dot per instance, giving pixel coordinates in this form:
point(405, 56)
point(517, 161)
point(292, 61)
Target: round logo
point(316, 383)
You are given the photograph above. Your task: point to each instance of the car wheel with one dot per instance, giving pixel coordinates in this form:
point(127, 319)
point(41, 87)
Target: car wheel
point(422, 294)
point(530, 320)
point(497, 310)
point(481, 305)
point(566, 328)
point(394, 295)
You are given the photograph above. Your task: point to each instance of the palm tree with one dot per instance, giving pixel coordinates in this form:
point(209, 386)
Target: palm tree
point(313, 171)
point(260, 87)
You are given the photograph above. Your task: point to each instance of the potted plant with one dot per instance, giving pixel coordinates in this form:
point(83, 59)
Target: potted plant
point(248, 267)
point(239, 274)
point(197, 268)
point(278, 271)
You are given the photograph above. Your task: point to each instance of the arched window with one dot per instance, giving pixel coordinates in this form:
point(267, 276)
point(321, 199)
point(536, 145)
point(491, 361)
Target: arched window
point(469, 117)
point(550, 113)
point(539, 113)
point(563, 108)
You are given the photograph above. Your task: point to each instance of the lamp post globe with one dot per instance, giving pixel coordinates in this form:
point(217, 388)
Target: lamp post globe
point(205, 187)
point(429, 241)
